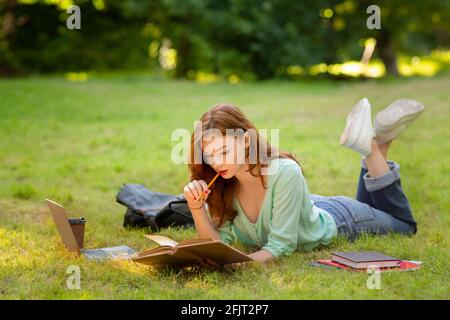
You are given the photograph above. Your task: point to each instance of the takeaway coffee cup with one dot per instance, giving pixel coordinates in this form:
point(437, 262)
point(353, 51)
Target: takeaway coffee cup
point(77, 225)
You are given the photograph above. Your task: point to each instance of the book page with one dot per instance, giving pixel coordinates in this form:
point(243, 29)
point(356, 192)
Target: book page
point(157, 250)
point(215, 251)
point(162, 240)
point(195, 241)
point(164, 258)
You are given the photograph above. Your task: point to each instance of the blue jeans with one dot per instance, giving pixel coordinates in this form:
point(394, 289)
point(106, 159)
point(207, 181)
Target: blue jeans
point(380, 206)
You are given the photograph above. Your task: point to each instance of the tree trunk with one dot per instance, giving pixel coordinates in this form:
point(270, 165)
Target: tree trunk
point(8, 26)
point(387, 52)
point(7, 31)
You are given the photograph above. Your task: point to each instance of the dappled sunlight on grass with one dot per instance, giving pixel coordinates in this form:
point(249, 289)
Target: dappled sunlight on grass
point(77, 76)
point(420, 67)
point(413, 66)
point(426, 66)
point(205, 77)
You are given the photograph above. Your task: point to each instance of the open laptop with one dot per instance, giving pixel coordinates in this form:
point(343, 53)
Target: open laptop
point(68, 238)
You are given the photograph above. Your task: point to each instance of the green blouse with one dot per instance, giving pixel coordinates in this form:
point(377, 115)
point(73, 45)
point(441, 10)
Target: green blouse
point(288, 219)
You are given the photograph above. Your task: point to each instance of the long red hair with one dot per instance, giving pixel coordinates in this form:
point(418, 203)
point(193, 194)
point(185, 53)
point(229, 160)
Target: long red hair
point(223, 117)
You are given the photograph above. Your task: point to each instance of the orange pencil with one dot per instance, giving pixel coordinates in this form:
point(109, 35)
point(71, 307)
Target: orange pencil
point(209, 185)
point(214, 179)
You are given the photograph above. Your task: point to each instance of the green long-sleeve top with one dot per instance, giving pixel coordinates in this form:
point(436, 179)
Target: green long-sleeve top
point(288, 219)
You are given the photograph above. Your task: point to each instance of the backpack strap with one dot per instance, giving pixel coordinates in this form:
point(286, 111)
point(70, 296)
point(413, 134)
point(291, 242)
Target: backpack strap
point(152, 223)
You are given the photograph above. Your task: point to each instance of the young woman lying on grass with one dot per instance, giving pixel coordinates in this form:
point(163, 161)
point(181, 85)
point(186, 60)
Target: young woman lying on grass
point(276, 211)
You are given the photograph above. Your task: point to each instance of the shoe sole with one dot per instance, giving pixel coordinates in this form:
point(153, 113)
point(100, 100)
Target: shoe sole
point(399, 113)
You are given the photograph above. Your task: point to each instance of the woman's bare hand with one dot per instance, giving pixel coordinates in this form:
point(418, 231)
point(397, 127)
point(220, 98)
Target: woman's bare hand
point(196, 192)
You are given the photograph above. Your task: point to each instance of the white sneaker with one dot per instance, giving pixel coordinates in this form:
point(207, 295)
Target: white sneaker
point(391, 121)
point(359, 133)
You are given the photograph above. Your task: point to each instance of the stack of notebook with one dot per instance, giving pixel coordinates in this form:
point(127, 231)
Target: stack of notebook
point(362, 260)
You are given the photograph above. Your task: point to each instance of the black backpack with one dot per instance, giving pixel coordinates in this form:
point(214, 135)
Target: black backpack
point(156, 210)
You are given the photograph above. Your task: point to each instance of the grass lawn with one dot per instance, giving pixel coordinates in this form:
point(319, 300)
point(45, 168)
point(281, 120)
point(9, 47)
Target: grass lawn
point(77, 143)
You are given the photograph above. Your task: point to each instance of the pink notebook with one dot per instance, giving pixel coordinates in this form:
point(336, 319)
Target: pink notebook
point(404, 266)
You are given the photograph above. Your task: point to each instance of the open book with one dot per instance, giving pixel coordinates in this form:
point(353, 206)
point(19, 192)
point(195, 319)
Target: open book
point(189, 252)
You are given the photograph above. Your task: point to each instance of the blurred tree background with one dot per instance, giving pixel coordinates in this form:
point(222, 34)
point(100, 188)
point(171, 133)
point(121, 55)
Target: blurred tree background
point(231, 39)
